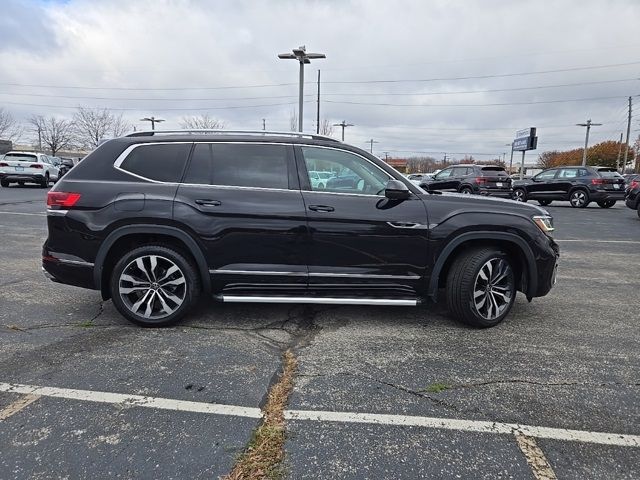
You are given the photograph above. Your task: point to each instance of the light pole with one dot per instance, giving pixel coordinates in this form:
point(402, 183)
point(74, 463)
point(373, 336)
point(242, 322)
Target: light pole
point(510, 161)
point(303, 57)
point(586, 138)
point(343, 124)
point(153, 121)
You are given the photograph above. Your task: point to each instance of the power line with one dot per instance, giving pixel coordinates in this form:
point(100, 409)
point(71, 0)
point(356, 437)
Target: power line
point(229, 107)
point(82, 97)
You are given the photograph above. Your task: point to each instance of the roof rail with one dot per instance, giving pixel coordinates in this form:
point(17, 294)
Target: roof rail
point(207, 131)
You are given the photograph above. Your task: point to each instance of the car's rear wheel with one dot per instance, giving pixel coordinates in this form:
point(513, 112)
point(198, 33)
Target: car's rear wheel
point(481, 287)
point(45, 181)
point(154, 285)
point(21, 183)
point(544, 203)
point(519, 195)
point(466, 191)
point(579, 199)
point(4, 182)
point(606, 203)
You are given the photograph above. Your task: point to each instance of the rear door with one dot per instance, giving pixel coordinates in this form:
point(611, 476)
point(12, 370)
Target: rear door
point(362, 244)
point(243, 202)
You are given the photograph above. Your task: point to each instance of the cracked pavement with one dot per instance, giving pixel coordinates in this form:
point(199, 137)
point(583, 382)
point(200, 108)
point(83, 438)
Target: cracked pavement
point(569, 360)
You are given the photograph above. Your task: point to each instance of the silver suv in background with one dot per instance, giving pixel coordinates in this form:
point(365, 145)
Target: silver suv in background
point(27, 167)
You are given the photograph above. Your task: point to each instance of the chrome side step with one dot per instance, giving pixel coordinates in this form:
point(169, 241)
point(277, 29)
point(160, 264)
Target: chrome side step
point(320, 300)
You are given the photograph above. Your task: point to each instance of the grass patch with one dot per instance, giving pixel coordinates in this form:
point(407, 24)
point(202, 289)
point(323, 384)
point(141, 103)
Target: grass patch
point(262, 459)
point(436, 388)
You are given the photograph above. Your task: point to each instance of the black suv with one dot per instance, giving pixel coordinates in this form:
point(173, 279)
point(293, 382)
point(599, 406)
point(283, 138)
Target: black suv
point(633, 194)
point(156, 219)
point(490, 180)
point(579, 185)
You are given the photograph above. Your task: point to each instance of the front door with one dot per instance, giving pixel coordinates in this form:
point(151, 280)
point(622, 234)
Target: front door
point(243, 202)
point(542, 184)
point(362, 243)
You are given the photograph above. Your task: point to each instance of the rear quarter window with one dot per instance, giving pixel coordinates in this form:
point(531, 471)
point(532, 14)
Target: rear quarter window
point(160, 162)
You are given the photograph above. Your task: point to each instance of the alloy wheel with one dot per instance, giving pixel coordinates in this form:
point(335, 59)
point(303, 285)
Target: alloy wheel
point(152, 286)
point(578, 198)
point(493, 288)
point(518, 195)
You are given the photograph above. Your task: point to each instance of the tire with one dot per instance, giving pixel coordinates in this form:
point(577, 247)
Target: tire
point(519, 195)
point(145, 302)
point(21, 183)
point(544, 203)
point(45, 182)
point(466, 191)
point(579, 199)
point(606, 203)
point(4, 182)
point(464, 279)
point(321, 186)
point(638, 210)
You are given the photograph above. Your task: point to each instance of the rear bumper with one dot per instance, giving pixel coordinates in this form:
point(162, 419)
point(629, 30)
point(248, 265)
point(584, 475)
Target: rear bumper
point(68, 269)
point(506, 193)
point(22, 177)
point(600, 196)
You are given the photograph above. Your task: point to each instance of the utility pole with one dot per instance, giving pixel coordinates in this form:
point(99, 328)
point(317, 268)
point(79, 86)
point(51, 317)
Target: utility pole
point(626, 150)
point(371, 142)
point(153, 121)
point(511, 160)
point(303, 57)
point(343, 124)
point(264, 124)
point(386, 156)
point(318, 106)
point(619, 155)
point(589, 124)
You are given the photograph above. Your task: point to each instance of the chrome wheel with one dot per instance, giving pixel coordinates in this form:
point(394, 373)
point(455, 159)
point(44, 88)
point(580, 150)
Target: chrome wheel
point(518, 195)
point(493, 288)
point(465, 191)
point(578, 199)
point(152, 286)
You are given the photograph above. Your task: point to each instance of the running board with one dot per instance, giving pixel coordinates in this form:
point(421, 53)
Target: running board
point(321, 300)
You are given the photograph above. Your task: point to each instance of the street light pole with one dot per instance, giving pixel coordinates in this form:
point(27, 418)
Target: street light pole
point(589, 124)
point(303, 57)
point(343, 124)
point(153, 121)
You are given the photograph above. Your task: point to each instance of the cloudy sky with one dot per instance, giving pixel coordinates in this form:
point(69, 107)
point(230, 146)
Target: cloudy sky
point(455, 77)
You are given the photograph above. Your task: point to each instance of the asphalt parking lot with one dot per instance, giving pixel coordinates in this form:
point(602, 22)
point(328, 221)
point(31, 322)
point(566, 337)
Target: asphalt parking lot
point(380, 392)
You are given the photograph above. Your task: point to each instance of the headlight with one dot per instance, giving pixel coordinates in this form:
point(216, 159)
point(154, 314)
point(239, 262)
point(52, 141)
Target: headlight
point(544, 222)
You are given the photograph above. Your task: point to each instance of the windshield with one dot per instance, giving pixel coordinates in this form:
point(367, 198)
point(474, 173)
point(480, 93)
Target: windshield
point(20, 157)
point(495, 171)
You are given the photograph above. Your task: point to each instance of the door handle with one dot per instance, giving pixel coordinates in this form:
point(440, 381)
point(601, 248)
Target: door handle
point(208, 203)
point(321, 208)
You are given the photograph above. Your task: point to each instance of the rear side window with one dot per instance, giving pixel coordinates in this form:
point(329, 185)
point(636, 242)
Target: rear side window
point(162, 162)
point(239, 165)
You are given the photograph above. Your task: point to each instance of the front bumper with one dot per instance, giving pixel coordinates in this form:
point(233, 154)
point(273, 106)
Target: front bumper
point(547, 259)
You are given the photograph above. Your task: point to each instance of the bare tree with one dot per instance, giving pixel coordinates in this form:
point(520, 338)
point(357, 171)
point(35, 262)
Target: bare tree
point(55, 133)
point(91, 125)
point(326, 128)
point(201, 122)
point(9, 127)
point(36, 123)
point(120, 126)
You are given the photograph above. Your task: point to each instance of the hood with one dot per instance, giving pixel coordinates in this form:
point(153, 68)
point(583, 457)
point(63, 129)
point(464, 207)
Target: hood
point(490, 203)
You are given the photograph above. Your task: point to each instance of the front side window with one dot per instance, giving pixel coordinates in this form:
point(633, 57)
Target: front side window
point(548, 175)
point(347, 172)
point(239, 165)
point(444, 174)
point(160, 162)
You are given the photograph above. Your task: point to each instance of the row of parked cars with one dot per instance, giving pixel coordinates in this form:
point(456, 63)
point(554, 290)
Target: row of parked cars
point(32, 167)
point(577, 184)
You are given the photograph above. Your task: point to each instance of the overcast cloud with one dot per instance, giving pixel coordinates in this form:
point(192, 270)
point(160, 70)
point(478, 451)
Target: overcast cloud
point(195, 48)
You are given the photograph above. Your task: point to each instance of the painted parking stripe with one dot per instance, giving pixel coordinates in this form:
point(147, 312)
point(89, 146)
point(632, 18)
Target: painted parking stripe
point(134, 400)
point(18, 405)
point(468, 426)
point(602, 438)
point(588, 240)
point(24, 213)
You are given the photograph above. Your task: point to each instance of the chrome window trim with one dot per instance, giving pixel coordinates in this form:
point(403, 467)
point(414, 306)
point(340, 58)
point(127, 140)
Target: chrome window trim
point(320, 300)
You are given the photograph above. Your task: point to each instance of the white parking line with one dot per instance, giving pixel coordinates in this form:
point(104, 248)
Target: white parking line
point(589, 240)
point(18, 405)
point(24, 213)
point(479, 426)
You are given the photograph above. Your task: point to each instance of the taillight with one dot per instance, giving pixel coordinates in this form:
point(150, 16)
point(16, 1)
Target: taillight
point(35, 165)
point(597, 181)
point(481, 180)
point(62, 199)
point(2, 164)
point(634, 184)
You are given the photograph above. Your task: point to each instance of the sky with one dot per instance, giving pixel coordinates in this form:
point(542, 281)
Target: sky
point(418, 77)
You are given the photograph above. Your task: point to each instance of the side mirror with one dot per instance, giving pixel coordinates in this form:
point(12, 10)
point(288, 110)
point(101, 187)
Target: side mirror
point(396, 190)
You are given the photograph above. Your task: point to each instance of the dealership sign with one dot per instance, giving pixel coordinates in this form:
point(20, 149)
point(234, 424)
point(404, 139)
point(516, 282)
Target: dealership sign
point(525, 140)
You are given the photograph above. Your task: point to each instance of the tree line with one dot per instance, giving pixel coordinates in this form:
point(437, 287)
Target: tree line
point(607, 154)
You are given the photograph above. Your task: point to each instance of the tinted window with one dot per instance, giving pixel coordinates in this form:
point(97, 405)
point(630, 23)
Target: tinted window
point(353, 174)
point(18, 157)
point(461, 171)
point(444, 174)
point(548, 175)
point(499, 171)
point(609, 173)
point(163, 163)
point(241, 165)
point(568, 173)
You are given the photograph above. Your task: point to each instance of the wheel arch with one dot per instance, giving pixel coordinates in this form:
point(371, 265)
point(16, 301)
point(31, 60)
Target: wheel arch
point(125, 236)
point(516, 247)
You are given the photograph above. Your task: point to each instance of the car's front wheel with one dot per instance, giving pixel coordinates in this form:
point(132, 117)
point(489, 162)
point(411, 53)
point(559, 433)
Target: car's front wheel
point(579, 199)
point(481, 287)
point(519, 195)
point(45, 181)
point(4, 182)
point(154, 285)
point(606, 203)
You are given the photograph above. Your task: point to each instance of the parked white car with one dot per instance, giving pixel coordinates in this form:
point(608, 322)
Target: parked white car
point(23, 167)
point(319, 179)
